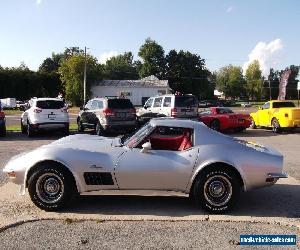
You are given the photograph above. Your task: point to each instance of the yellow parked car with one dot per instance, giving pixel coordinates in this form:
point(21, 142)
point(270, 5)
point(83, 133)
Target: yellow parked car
point(276, 114)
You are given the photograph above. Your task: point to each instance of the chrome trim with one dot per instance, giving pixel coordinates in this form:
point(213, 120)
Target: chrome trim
point(277, 175)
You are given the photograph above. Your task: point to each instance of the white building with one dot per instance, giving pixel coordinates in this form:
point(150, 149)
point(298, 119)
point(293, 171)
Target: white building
point(137, 91)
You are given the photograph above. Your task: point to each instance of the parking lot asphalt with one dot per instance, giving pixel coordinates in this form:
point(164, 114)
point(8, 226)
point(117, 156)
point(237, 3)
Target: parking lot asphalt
point(279, 204)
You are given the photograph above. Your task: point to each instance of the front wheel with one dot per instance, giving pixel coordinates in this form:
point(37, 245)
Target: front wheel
point(216, 190)
point(252, 125)
point(30, 131)
point(23, 128)
point(276, 126)
point(51, 189)
point(3, 131)
point(80, 127)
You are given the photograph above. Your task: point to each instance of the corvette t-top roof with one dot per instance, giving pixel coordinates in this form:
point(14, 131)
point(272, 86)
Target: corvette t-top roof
point(174, 122)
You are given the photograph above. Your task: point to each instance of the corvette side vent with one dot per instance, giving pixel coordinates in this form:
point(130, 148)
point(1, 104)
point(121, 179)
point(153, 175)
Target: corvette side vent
point(95, 178)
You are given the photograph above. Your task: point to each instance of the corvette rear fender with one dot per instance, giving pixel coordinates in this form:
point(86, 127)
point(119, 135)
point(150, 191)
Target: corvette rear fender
point(208, 164)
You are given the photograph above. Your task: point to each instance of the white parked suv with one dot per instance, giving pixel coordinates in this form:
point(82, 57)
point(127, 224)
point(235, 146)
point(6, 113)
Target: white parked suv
point(45, 114)
point(170, 105)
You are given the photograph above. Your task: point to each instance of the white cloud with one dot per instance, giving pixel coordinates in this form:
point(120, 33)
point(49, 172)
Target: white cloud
point(38, 2)
point(266, 54)
point(230, 9)
point(107, 55)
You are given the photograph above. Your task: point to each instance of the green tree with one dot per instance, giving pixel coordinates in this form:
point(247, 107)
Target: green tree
point(71, 74)
point(254, 80)
point(120, 67)
point(187, 73)
point(230, 81)
point(153, 59)
point(51, 64)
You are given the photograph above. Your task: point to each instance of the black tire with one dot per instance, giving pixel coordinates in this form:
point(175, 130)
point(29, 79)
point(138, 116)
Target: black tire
point(3, 131)
point(253, 125)
point(99, 129)
point(80, 127)
point(29, 130)
point(276, 126)
point(66, 130)
point(51, 188)
point(23, 128)
point(216, 190)
point(215, 125)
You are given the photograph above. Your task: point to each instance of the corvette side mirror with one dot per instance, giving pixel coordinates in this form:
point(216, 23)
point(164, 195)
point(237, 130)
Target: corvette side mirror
point(146, 147)
point(260, 108)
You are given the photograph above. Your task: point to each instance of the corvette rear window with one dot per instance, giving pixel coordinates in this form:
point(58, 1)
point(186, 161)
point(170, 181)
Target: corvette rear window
point(283, 105)
point(50, 104)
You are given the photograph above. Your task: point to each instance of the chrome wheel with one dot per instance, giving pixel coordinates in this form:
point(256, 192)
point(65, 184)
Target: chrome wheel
point(217, 190)
point(49, 188)
point(275, 126)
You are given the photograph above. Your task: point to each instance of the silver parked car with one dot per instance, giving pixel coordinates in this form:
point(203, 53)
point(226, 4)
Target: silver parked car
point(170, 105)
point(107, 114)
point(165, 154)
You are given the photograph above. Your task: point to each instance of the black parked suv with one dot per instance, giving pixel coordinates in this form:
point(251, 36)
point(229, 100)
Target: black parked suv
point(2, 122)
point(107, 114)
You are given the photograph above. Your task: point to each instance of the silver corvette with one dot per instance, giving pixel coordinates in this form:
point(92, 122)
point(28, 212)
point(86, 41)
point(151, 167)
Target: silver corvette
point(166, 154)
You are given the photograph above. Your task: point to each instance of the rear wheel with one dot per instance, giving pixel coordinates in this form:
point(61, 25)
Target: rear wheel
point(216, 190)
point(252, 125)
point(99, 129)
point(276, 126)
point(66, 130)
point(51, 188)
point(215, 125)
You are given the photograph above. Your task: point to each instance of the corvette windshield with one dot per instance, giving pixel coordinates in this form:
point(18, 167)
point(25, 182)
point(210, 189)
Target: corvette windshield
point(138, 136)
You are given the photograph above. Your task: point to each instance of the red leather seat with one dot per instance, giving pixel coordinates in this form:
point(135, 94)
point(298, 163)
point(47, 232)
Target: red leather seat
point(162, 143)
point(186, 141)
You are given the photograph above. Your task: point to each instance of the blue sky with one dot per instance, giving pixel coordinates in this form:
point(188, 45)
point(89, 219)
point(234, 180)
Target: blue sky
point(222, 32)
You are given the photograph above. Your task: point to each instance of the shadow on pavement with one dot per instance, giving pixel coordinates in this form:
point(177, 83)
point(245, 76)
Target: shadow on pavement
point(280, 200)
point(18, 136)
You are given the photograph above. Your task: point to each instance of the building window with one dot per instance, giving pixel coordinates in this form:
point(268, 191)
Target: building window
point(125, 94)
point(161, 92)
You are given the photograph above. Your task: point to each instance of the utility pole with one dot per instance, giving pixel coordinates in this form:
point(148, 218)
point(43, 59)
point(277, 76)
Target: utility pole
point(84, 78)
point(270, 90)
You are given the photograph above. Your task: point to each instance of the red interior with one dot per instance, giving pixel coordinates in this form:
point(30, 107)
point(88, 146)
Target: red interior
point(177, 143)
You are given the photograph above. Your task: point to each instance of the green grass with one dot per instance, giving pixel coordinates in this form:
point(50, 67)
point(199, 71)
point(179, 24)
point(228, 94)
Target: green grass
point(13, 112)
point(72, 110)
point(17, 128)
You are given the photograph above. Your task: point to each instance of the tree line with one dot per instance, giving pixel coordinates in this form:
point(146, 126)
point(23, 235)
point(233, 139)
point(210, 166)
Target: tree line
point(185, 71)
point(253, 85)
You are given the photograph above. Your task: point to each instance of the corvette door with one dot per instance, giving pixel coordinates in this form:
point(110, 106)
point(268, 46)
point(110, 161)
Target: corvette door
point(156, 169)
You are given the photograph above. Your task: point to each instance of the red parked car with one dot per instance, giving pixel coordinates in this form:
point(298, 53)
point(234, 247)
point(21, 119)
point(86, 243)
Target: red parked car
point(220, 119)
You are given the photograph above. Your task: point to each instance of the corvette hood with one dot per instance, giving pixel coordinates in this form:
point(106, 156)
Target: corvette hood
point(84, 142)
